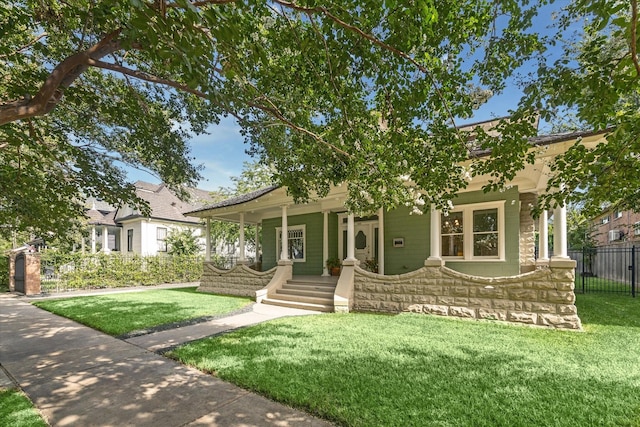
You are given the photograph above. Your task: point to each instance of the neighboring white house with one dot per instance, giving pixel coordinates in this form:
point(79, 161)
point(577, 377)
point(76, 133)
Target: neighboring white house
point(126, 230)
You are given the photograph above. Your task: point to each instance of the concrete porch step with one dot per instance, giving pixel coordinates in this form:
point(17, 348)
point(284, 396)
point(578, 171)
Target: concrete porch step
point(307, 293)
point(322, 300)
point(297, 304)
point(297, 285)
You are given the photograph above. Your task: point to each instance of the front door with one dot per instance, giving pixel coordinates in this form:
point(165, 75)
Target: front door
point(363, 242)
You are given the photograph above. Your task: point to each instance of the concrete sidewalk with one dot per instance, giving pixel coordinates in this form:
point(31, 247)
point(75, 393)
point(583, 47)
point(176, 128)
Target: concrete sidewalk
point(81, 377)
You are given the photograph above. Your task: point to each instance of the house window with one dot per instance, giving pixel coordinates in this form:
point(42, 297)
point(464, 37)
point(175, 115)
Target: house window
point(453, 234)
point(473, 232)
point(617, 214)
point(161, 237)
point(605, 220)
point(636, 228)
point(129, 240)
point(296, 243)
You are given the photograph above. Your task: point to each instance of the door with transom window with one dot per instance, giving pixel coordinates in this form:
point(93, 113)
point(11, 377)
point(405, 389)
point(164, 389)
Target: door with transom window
point(365, 238)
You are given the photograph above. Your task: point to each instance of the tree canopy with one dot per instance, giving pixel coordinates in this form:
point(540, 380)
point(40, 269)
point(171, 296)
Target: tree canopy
point(341, 90)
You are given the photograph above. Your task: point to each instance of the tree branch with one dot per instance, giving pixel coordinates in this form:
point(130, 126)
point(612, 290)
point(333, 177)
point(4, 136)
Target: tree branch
point(324, 11)
point(31, 43)
point(634, 37)
point(62, 76)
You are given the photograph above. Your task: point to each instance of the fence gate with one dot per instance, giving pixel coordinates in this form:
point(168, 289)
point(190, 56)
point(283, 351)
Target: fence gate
point(610, 269)
point(20, 273)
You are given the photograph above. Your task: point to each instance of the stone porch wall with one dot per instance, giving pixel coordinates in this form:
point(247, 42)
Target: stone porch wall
point(543, 297)
point(527, 233)
point(239, 281)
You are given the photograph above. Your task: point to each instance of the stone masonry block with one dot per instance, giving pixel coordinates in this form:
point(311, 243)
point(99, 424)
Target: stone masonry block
point(539, 307)
point(459, 291)
point(492, 314)
point(441, 300)
point(432, 290)
point(465, 312)
point(414, 308)
point(561, 322)
point(523, 294)
point(561, 297)
point(563, 275)
point(567, 309)
point(522, 317)
point(487, 292)
point(392, 307)
point(424, 299)
point(441, 310)
point(480, 302)
point(461, 301)
point(503, 304)
point(541, 284)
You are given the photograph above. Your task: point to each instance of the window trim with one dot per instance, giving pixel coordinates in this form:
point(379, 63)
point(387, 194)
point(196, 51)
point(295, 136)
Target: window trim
point(467, 234)
point(129, 239)
point(302, 227)
point(159, 240)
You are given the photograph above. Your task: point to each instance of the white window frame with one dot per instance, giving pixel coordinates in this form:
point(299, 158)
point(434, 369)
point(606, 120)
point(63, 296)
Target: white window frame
point(617, 214)
point(636, 228)
point(161, 242)
point(290, 228)
point(467, 225)
point(606, 220)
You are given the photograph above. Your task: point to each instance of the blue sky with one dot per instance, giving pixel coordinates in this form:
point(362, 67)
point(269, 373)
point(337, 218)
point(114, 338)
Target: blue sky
point(222, 151)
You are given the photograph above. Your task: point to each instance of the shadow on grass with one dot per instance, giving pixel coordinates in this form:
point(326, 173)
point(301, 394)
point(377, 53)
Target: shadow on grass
point(439, 378)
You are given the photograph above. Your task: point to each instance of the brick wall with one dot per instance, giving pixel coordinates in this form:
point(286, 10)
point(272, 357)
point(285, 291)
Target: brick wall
point(543, 297)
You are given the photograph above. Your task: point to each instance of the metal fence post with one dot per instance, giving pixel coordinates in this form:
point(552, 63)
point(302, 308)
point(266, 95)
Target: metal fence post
point(633, 271)
point(584, 250)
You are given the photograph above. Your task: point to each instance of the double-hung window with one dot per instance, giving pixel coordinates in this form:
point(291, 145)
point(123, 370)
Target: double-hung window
point(473, 232)
point(295, 242)
point(161, 238)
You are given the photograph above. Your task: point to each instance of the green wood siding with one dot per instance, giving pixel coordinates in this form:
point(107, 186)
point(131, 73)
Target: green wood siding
point(414, 229)
point(313, 263)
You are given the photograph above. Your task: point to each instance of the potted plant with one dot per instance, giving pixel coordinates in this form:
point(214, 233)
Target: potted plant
point(333, 265)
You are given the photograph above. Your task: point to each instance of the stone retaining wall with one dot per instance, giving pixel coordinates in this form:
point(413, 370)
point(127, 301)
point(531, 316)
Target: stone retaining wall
point(543, 297)
point(239, 281)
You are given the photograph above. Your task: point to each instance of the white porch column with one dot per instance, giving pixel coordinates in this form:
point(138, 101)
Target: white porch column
point(93, 239)
point(560, 232)
point(105, 240)
point(351, 241)
point(435, 235)
point(207, 240)
point(242, 257)
point(325, 242)
point(257, 244)
point(543, 236)
point(284, 239)
point(381, 241)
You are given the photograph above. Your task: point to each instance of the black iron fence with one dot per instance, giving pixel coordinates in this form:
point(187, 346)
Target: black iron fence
point(610, 269)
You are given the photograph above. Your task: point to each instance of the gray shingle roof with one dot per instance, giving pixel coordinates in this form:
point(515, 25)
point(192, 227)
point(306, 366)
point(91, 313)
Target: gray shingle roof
point(238, 200)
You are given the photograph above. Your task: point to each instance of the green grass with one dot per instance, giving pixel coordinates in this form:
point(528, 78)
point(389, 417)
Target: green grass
point(598, 284)
point(16, 410)
point(117, 314)
point(366, 370)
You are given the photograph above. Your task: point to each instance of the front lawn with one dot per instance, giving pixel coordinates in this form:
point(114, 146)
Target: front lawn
point(16, 410)
point(117, 314)
point(379, 370)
